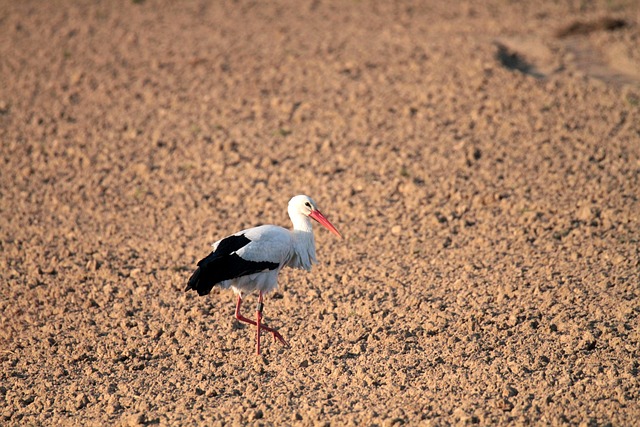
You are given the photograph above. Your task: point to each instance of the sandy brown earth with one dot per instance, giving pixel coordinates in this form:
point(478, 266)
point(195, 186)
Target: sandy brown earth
point(483, 162)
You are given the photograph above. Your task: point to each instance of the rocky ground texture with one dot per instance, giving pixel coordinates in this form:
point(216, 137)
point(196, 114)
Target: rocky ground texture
point(482, 160)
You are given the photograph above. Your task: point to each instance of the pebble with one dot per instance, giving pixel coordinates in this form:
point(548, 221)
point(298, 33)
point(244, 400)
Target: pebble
point(135, 420)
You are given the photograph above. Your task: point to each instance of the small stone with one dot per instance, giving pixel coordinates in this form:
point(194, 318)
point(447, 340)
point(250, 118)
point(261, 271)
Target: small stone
point(8, 413)
point(505, 405)
point(584, 214)
point(27, 400)
point(136, 420)
point(393, 422)
point(81, 401)
point(114, 407)
point(510, 392)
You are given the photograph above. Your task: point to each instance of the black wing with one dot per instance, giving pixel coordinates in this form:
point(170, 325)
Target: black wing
point(225, 264)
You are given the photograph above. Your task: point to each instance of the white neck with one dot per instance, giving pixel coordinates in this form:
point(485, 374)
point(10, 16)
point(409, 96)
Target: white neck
point(301, 222)
point(304, 244)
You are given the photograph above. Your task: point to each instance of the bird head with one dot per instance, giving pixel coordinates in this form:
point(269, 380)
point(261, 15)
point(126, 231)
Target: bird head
point(306, 206)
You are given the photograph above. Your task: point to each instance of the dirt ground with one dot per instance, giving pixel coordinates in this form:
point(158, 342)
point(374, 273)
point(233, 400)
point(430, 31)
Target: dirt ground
point(482, 160)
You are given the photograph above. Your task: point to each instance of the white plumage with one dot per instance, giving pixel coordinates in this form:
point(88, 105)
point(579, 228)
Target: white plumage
point(271, 243)
point(251, 259)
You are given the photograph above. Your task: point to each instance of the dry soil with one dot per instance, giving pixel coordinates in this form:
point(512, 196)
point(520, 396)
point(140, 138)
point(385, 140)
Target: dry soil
point(481, 158)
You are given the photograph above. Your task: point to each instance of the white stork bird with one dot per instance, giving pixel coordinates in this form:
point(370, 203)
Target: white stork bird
point(251, 259)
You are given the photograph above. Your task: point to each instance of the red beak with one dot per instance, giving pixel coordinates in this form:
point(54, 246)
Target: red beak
point(324, 222)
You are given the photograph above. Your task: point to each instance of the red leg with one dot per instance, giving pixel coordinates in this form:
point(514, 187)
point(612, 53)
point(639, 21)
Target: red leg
point(258, 321)
point(241, 318)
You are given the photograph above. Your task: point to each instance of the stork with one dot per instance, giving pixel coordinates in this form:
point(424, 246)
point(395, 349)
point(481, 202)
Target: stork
point(251, 259)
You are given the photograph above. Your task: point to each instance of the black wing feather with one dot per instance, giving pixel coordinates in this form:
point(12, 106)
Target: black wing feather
point(225, 264)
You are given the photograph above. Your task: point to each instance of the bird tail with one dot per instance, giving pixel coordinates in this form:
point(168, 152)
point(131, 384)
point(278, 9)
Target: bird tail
point(193, 280)
point(200, 281)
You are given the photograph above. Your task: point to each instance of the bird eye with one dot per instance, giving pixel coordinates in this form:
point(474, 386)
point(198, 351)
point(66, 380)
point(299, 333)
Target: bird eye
point(307, 204)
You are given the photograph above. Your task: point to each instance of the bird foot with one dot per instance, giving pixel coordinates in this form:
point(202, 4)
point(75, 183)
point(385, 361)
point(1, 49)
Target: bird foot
point(277, 336)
